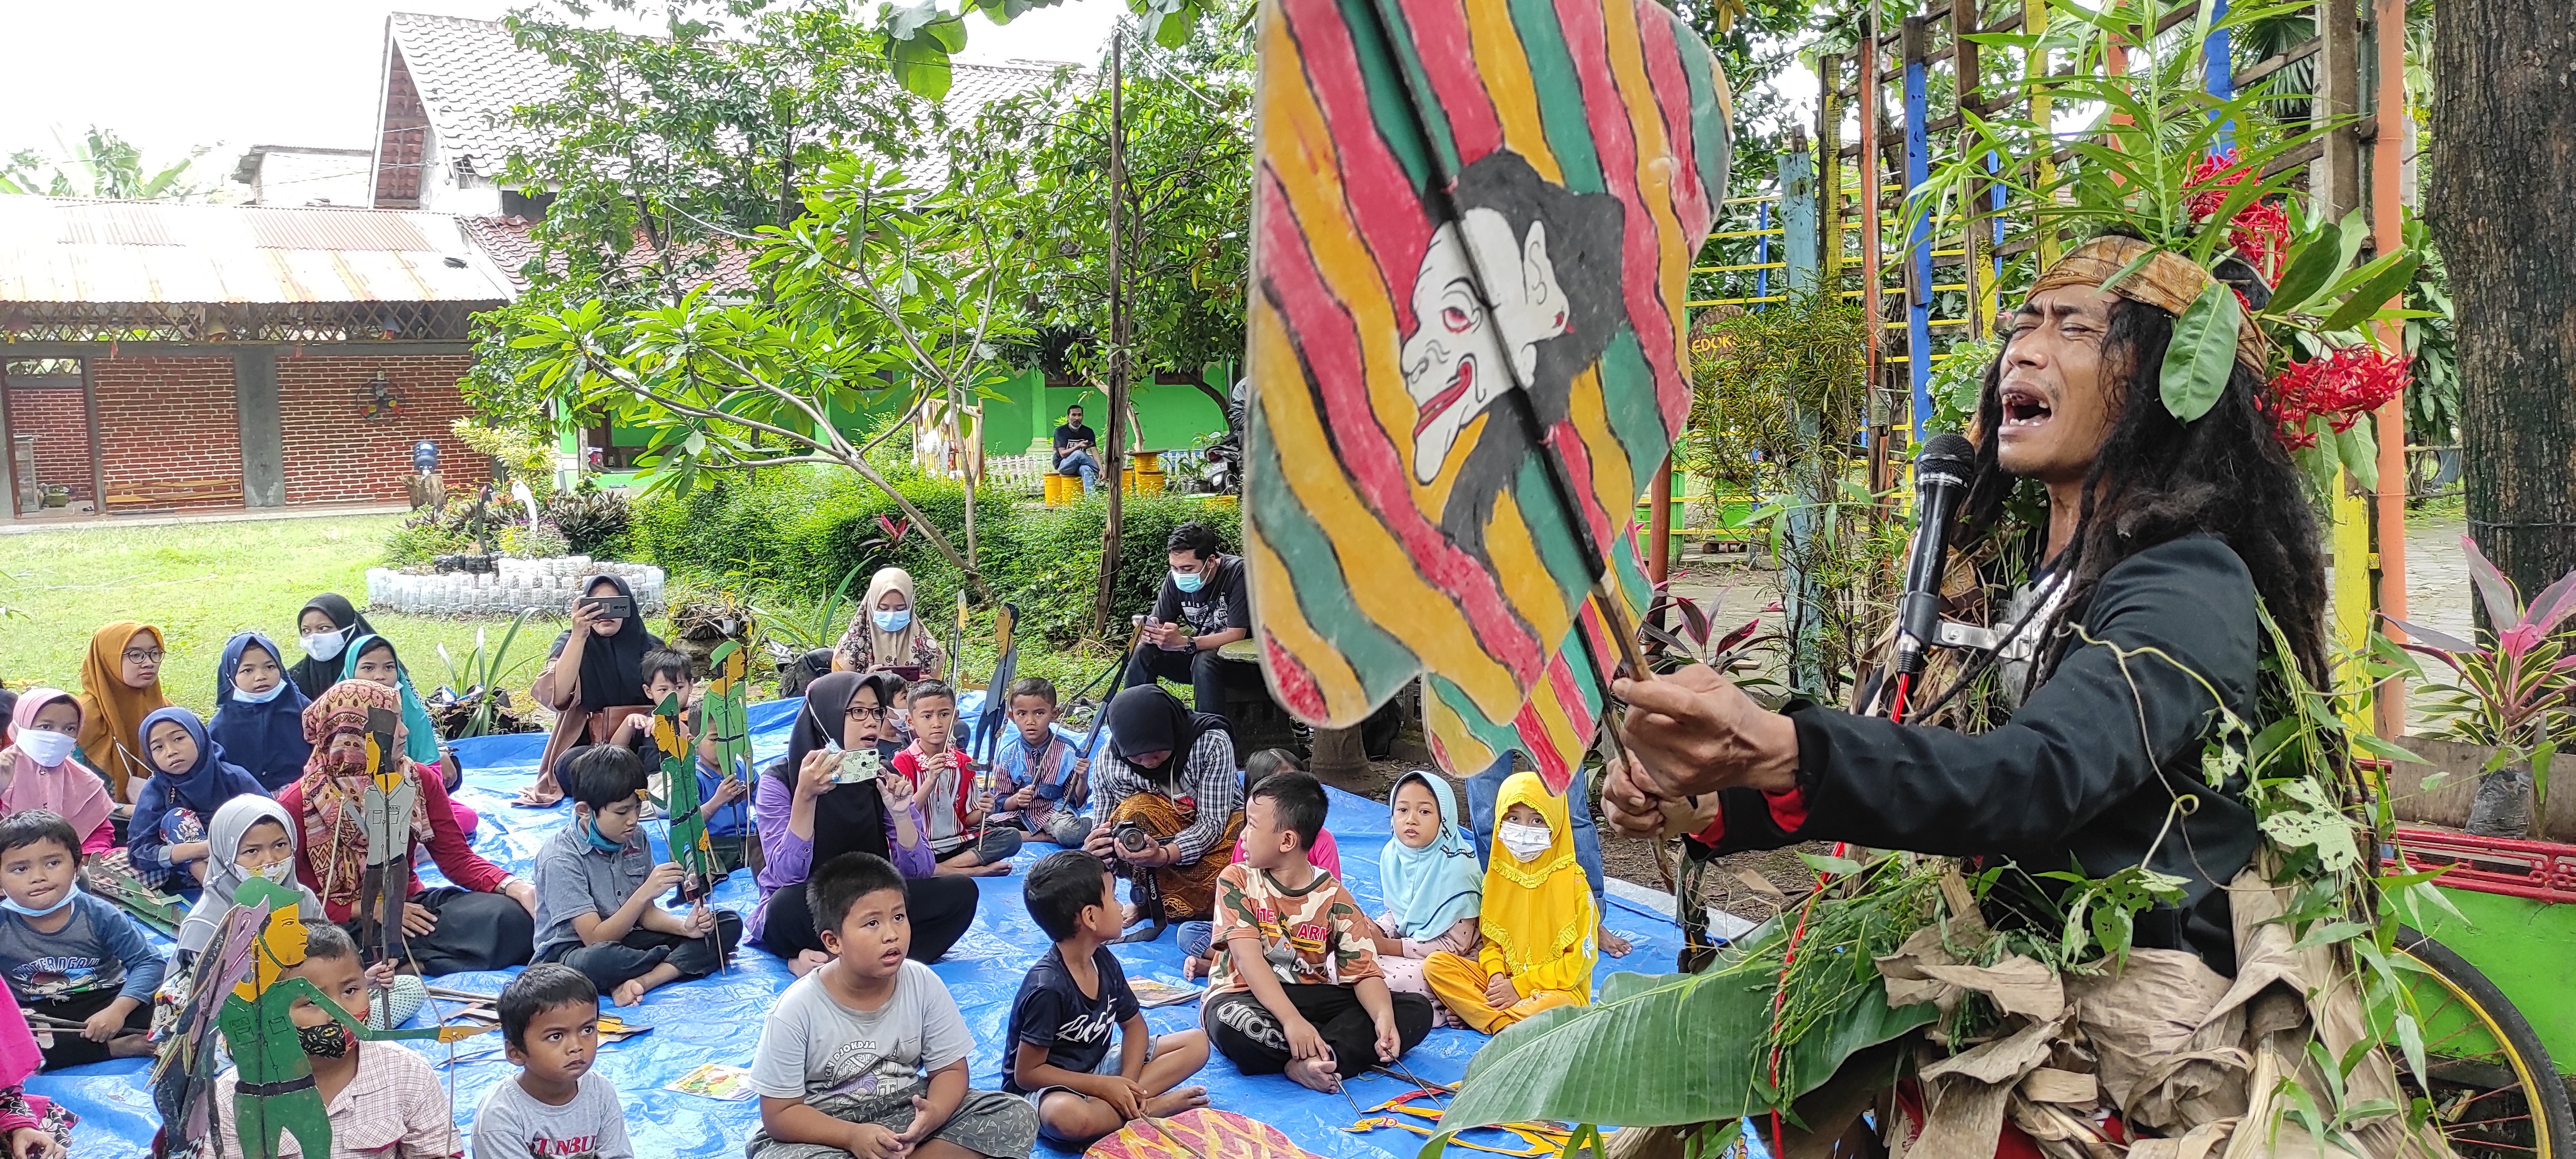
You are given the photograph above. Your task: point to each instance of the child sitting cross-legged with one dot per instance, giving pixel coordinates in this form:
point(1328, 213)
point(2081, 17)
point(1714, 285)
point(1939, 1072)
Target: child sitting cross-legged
point(596, 885)
point(1537, 919)
point(1430, 877)
point(557, 1105)
point(75, 962)
point(1057, 1051)
point(1042, 782)
point(1198, 939)
point(1290, 931)
point(866, 1054)
point(944, 779)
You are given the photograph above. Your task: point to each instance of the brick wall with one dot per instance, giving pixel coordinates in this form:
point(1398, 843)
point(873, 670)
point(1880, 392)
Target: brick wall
point(167, 422)
point(55, 417)
point(335, 456)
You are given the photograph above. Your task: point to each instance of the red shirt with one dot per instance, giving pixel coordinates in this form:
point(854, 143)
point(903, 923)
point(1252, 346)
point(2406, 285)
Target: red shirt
point(447, 846)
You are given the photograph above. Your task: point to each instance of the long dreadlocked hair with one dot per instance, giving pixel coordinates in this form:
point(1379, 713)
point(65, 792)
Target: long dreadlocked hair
point(2158, 479)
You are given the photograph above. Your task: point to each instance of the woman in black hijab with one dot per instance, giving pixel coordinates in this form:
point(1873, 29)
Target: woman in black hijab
point(1173, 774)
point(597, 666)
point(805, 818)
point(326, 626)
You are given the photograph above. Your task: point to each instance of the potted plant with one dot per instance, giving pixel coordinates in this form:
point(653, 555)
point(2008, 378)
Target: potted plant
point(2515, 692)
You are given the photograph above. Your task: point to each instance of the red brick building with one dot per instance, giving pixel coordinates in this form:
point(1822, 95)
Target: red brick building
point(162, 357)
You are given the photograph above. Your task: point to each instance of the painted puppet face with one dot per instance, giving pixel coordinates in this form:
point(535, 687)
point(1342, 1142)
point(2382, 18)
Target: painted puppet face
point(1454, 363)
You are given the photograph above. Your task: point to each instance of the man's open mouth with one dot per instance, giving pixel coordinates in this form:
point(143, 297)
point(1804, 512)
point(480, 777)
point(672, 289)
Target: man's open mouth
point(2023, 407)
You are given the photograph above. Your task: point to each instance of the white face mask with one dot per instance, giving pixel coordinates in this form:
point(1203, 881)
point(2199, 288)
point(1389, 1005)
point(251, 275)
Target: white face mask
point(275, 872)
point(324, 645)
point(259, 697)
point(47, 749)
point(1525, 841)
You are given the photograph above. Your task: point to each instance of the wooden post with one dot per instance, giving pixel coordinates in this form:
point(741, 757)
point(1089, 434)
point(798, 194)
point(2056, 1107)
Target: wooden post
point(1115, 467)
point(1873, 337)
point(2334, 188)
point(2388, 152)
point(1975, 239)
point(1829, 169)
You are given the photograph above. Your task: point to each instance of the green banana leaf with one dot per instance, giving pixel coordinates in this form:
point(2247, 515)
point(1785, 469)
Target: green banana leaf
point(1658, 1050)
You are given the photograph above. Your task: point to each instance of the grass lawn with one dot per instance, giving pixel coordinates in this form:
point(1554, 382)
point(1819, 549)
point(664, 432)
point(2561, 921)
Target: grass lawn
point(200, 583)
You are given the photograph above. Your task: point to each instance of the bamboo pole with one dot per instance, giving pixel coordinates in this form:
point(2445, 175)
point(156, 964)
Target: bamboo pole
point(2388, 236)
point(1872, 307)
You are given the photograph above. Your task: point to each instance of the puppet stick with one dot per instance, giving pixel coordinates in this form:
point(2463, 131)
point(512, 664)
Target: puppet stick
point(1099, 722)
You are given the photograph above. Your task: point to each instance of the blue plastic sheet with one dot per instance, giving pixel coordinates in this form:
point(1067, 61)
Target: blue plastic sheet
point(718, 1019)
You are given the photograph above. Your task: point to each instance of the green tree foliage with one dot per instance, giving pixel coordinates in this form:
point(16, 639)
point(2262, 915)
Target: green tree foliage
point(103, 165)
point(918, 39)
point(1187, 202)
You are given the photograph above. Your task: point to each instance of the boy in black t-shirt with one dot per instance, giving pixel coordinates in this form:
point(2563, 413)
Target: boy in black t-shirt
point(1058, 1054)
point(1205, 605)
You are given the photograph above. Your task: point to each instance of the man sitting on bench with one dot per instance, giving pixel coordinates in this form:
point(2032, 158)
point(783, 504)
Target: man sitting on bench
point(1073, 454)
point(1205, 605)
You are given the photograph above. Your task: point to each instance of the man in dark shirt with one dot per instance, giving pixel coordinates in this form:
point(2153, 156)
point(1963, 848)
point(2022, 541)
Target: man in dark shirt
point(1205, 606)
point(1073, 449)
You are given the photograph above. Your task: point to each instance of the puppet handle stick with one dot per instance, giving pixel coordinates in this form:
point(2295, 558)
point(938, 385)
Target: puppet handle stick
point(1135, 636)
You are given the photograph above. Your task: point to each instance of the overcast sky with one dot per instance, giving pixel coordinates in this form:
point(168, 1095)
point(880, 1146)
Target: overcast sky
point(174, 74)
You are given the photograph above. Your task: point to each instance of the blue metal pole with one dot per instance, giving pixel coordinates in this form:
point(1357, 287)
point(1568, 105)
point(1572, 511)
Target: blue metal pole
point(1918, 254)
point(2218, 75)
point(1761, 253)
point(1798, 208)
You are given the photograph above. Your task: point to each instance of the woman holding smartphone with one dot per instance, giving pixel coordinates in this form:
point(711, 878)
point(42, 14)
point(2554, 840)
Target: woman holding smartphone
point(594, 677)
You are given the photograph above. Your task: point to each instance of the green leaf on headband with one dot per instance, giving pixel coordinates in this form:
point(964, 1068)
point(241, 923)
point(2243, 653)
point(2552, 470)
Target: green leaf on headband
point(2201, 354)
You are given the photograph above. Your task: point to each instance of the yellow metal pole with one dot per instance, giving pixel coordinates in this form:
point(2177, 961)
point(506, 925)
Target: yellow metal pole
point(2034, 21)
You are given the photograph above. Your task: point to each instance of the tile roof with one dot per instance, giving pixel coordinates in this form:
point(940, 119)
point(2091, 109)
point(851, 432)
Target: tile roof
point(55, 250)
point(512, 244)
point(470, 73)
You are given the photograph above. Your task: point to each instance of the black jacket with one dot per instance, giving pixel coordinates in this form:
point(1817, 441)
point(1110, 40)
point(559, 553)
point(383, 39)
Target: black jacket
point(2084, 774)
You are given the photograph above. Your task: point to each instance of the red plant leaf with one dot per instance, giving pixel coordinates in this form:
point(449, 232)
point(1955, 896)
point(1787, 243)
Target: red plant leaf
point(1697, 619)
point(2504, 604)
point(1738, 636)
point(2554, 603)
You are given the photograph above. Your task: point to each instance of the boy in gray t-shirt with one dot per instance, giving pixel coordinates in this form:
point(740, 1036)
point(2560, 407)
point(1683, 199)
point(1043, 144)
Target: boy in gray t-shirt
point(596, 885)
point(850, 1047)
point(550, 1029)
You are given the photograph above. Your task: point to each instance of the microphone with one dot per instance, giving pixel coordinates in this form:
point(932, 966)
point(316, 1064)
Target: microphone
point(1940, 480)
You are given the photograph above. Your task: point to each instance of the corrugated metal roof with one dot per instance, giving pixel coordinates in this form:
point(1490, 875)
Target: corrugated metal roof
point(57, 250)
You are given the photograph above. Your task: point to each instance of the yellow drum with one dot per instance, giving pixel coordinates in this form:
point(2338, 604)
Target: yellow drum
point(1063, 490)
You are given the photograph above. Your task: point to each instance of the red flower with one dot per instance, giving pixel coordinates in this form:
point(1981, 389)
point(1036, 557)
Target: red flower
point(2259, 232)
point(2349, 382)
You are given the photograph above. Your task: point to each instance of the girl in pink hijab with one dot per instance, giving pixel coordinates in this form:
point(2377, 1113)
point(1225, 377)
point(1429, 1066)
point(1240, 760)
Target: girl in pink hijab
point(30, 1125)
point(40, 769)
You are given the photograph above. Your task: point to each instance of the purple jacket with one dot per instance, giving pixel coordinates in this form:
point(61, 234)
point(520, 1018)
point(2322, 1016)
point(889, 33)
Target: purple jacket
point(789, 859)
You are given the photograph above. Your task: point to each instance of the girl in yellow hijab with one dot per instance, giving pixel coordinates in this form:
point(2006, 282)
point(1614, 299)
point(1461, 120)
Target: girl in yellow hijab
point(1537, 919)
point(120, 685)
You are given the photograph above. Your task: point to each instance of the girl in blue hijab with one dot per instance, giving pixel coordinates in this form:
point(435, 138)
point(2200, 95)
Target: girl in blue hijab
point(1433, 883)
point(166, 841)
point(259, 712)
point(372, 658)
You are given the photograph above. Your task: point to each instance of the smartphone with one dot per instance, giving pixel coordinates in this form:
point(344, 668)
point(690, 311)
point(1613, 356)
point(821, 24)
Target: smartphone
point(610, 607)
point(859, 766)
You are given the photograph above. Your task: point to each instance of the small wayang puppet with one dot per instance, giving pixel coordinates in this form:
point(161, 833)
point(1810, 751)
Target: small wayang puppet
point(690, 848)
point(385, 807)
point(241, 992)
point(725, 714)
point(2125, 902)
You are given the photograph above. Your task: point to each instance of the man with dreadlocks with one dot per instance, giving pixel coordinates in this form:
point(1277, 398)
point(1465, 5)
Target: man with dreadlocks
point(2135, 635)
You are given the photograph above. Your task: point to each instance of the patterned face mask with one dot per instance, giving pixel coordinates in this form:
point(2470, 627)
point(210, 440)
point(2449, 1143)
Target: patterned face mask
point(329, 1040)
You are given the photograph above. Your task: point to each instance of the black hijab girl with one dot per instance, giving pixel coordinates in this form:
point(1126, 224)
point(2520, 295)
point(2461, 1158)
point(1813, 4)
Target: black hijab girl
point(840, 710)
point(326, 626)
point(606, 671)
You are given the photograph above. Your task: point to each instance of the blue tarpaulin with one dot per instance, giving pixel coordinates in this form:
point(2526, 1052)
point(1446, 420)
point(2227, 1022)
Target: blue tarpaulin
point(718, 1019)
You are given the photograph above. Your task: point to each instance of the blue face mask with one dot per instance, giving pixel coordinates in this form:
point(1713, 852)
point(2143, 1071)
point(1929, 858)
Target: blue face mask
point(894, 621)
point(11, 904)
point(1188, 581)
point(590, 833)
point(274, 690)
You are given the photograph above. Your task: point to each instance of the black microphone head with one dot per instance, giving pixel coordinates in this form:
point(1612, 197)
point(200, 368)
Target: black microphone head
point(1951, 453)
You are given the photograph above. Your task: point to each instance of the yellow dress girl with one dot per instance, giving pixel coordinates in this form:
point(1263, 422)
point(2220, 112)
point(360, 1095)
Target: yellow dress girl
point(1538, 921)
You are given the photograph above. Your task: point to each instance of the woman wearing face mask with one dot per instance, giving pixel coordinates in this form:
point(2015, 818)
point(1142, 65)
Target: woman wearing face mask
point(325, 627)
point(42, 773)
point(1173, 777)
point(485, 921)
point(806, 816)
point(886, 632)
point(120, 685)
point(594, 677)
point(1536, 917)
point(259, 712)
point(166, 843)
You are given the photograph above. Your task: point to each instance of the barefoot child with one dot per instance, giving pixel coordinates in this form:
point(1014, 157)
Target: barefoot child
point(557, 1105)
point(1057, 1052)
point(866, 1055)
point(1431, 879)
point(70, 958)
point(596, 885)
point(1537, 919)
point(944, 779)
point(1290, 930)
point(1042, 783)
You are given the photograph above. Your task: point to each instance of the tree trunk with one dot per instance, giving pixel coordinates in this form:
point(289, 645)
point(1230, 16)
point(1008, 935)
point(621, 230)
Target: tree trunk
point(1113, 469)
point(2499, 210)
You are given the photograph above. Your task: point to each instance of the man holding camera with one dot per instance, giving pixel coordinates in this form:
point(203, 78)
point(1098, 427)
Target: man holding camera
point(1205, 605)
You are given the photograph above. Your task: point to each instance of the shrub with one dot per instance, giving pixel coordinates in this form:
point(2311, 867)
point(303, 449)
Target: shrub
point(542, 541)
point(526, 457)
point(430, 532)
point(593, 521)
